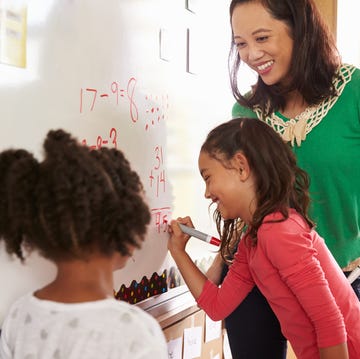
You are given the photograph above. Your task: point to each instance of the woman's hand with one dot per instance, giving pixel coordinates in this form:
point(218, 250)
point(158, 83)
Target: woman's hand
point(178, 239)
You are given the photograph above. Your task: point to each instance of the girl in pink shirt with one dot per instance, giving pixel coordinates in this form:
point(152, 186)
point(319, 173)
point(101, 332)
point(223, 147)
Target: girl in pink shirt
point(261, 196)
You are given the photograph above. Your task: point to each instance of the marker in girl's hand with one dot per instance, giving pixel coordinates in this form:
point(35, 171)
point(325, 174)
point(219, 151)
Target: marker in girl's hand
point(200, 235)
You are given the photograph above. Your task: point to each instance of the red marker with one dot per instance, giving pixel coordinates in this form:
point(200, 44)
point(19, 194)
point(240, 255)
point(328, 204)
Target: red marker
point(200, 235)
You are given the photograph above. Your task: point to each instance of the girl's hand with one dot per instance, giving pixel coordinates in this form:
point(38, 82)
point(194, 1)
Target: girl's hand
point(194, 278)
point(177, 240)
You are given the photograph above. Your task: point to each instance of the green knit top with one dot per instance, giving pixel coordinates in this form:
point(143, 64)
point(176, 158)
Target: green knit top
point(326, 141)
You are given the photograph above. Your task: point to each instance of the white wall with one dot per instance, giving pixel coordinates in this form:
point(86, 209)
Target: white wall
point(348, 32)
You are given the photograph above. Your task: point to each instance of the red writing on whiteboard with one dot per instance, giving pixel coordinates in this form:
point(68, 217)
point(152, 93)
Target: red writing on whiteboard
point(89, 97)
point(157, 173)
point(108, 141)
point(161, 216)
point(158, 109)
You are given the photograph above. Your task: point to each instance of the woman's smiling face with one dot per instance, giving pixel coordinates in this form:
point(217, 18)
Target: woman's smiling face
point(263, 43)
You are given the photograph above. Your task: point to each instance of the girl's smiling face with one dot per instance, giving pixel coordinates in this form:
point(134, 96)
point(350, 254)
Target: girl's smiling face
point(263, 42)
point(230, 187)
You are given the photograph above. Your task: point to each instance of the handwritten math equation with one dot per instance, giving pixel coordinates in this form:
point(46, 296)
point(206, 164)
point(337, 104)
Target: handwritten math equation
point(109, 140)
point(157, 178)
point(161, 216)
point(150, 108)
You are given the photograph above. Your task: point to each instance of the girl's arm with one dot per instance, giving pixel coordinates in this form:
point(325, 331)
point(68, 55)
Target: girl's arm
point(217, 302)
point(191, 274)
point(335, 352)
point(215, 270)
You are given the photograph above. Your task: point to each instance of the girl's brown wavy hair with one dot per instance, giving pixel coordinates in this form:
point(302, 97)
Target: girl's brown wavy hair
point(280, 183)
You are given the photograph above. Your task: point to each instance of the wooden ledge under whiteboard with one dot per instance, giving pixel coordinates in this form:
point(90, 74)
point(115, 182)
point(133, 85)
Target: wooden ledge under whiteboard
point(170, 307)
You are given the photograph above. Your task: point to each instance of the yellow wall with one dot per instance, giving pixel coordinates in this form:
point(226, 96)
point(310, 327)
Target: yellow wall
point(328, 9)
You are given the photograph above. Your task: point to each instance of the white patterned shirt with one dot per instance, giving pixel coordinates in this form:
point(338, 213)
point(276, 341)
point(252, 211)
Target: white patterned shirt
point(104, 329)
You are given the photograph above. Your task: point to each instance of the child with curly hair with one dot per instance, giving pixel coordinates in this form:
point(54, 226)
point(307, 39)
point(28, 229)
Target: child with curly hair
point(85, 211)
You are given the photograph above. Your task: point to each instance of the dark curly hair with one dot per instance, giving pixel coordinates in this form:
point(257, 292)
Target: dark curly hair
point(315, 58)
point(75, 201)
point(280, 183)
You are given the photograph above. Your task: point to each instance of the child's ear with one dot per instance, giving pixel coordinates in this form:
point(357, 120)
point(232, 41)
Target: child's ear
point(242, 164)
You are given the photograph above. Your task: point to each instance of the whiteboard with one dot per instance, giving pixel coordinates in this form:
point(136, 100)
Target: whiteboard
point(146, 76)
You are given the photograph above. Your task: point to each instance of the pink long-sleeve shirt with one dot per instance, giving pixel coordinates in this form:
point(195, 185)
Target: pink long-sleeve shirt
point(302, 282)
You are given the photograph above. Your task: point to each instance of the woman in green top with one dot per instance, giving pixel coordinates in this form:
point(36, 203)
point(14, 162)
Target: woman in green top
point(307, 95)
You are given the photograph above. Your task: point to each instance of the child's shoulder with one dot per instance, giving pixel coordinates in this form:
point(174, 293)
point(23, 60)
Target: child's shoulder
point(276, 222)
point(133, 314)
point(21, 302)
point(15, 311)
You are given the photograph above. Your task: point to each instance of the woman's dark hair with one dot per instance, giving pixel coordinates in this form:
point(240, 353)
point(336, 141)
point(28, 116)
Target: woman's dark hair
point(74, 202)
point(315, 58)
point(280, 183)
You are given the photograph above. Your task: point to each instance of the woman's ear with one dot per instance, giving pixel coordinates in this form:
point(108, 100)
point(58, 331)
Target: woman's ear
point(242, 165)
